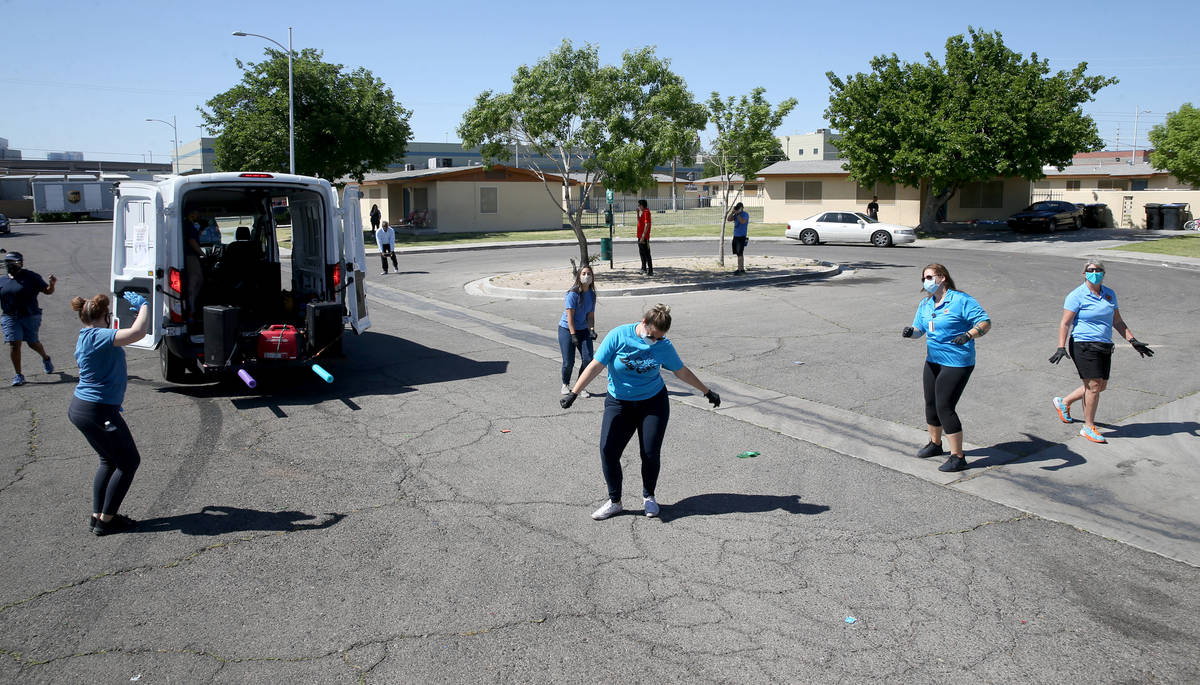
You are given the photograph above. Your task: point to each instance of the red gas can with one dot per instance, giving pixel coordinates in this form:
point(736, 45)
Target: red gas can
point(278, 342)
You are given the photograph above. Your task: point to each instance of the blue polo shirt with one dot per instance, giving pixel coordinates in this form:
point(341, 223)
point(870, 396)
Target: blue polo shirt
point(741, 222)
point(633, 364)
point(102, 373)
point(940, 324)
point(583, 304)
point(1093, 313)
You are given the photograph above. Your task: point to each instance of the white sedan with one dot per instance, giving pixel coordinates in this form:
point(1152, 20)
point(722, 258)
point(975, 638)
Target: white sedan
point(848, 227)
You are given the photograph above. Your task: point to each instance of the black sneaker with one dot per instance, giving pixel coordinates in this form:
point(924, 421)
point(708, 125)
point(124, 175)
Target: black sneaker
point(931, 450)
point(91, 523)
point(954, 464)
point(117, 524)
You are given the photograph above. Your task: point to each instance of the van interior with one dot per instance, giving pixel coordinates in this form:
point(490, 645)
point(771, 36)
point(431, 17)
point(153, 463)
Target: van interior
point(240, 254)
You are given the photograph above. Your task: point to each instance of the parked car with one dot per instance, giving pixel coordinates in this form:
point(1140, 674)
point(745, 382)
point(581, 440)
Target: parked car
point(5, 227)
point(1048, 215)
point(848, 227)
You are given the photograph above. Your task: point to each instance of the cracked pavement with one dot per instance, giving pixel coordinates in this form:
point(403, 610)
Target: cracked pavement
point(385, 528)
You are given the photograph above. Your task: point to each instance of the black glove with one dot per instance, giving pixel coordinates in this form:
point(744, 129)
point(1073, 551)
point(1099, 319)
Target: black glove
point(567, 400)
point(593, 333)
point(1058, 355)
point(961, 338)
point(1141, 347)
point(713, 398)
point(908, 332)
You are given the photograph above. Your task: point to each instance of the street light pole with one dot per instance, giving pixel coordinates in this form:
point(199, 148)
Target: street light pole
point(174, 128)
point(1136, 112)
point(291, 110)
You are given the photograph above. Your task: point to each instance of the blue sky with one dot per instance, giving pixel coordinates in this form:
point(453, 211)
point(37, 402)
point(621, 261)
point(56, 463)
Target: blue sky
point(85, 75)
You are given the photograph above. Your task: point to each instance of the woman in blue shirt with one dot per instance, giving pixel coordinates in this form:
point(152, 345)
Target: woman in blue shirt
point(576, 325)
point(96, 407)
point(637, 400)
point(1089, 316)
point(950, 320)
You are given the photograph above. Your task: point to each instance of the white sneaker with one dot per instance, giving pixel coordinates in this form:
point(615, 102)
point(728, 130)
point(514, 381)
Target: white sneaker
point(651, 506)
point(566, 390)
point(610, 508)
point(585, 394)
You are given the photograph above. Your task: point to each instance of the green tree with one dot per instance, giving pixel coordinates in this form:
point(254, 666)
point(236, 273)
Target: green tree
point(1177, 145)
point(985, 112)
point(347, 123)
point(745, 142)
point(600, 121)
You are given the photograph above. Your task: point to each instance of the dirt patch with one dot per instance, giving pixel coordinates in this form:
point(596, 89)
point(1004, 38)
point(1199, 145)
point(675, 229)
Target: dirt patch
point(671, 270)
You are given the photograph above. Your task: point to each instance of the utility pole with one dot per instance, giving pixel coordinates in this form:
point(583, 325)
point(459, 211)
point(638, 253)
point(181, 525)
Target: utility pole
point(1136, 112)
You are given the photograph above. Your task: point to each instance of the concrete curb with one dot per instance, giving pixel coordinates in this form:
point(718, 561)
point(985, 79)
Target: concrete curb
point(1169, 261)
point(483, 286)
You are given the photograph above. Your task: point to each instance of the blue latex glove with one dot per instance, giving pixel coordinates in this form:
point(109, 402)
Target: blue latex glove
point(135, 301)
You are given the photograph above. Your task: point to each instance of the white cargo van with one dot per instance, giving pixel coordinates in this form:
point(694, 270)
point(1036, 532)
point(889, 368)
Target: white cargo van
point(250, 305)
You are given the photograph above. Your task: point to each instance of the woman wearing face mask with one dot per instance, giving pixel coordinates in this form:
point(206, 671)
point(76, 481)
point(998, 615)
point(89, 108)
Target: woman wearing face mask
point(1089, 316)
point(576, 328)
point(96, 407)
point(950, 320)
point(637, 401)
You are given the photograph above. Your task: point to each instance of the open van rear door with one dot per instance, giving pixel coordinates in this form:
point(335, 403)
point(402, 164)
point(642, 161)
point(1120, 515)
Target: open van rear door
point(136, 263)
point(355, 255)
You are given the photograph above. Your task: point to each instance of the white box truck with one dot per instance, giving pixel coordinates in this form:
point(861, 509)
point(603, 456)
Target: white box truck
point(239, 302)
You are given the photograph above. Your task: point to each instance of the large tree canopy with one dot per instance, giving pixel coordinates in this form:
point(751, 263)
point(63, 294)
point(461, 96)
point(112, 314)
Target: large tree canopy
point(985, 112)
point(609, 123)
point(347, 123)
point(745, 141)
point(1177, 145)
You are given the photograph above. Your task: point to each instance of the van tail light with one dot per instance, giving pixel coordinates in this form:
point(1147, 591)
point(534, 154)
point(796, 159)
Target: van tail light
point(253, 175)
point(337, 275)
point(175, 283)
point(175, 280)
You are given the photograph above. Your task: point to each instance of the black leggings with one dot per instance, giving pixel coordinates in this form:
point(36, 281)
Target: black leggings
point(943, 386)
point(119, 458)
point(648, 418)
point(386, 251)
point(644, 253)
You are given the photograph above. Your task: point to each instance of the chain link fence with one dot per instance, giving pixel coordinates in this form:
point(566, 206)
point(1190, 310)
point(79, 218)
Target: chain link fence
point(687, 212)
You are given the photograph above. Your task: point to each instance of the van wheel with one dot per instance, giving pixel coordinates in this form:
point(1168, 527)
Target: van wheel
point(174, 369)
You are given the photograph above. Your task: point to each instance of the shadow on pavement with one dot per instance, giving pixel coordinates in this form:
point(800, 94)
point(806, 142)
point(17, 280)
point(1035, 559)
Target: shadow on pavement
point(221, 520)
point(717, 503)
point(1145, 430)
point(1032, 449)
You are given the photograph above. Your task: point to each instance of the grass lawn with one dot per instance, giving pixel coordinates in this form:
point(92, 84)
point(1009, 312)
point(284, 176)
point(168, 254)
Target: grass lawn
point(1178, 246)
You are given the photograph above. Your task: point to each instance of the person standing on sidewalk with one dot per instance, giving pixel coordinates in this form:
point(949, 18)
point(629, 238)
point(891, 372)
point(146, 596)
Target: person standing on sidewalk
point(873, 208)
point(637, 401)
point(385, 238)
point(576, 328)
point(1089, 316)
point(22, 318)
point(375, 216)
point(643, 237)
point(741, 230)
point(950, 320)
point(96, 406)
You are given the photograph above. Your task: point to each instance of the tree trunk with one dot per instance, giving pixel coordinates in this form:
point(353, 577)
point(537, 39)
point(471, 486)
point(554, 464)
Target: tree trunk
point(674, 175)
point(933, 202)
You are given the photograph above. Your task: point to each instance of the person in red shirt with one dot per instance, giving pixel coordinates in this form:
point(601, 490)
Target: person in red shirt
point(643, 237)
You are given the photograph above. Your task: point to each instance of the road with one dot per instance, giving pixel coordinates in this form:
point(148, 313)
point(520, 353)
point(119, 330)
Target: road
point(424, 518)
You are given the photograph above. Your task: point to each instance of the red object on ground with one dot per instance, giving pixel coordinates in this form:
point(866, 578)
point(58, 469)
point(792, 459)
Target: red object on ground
point(279, 342)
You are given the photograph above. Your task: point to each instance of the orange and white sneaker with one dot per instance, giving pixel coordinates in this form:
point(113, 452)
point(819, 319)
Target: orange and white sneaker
point(1064, 412)
point(1090, 433)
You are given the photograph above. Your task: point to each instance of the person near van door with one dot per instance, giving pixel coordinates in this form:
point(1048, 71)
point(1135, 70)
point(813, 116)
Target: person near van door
point(643, 237)
point(192, 250)
point(741, 231)
point(385, 238)
point(577, 326)
point(637, 401)
point(96, 405)
point(873, 208)
point(1089, 316)
point(375, 216)
point(950, 320)
point(22, 318)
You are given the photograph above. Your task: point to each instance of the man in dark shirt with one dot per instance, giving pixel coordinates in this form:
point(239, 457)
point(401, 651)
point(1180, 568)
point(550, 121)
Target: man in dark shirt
point(21, 316)
point(873, 207)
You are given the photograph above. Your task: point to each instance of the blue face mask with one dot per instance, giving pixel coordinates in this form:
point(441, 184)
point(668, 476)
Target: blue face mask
point(931, 286)
point(1094, 277)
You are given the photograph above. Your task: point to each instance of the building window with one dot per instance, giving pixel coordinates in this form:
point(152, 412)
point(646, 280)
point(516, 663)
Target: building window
point(982, 195)
point(1110, 184)
point(1073, 185)
point(489, 200)
point(800, 152)
point(886, 193)
point(802, 192)
point(374, 193)
point(816, 151)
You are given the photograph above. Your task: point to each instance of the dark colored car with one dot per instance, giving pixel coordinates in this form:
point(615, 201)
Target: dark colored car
point(1048, 215)
point(4, 225)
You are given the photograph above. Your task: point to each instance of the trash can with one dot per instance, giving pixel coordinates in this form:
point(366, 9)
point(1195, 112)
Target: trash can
point(1094, 215)
point(1172, 216)
point(605, 249)
point(1153, 216)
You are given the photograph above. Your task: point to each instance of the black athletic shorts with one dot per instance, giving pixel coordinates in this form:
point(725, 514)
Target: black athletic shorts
point(1092, 359)
point(739, 244)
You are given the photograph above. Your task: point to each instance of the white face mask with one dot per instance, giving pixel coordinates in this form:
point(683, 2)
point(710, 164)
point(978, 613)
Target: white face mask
point(585, 279)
